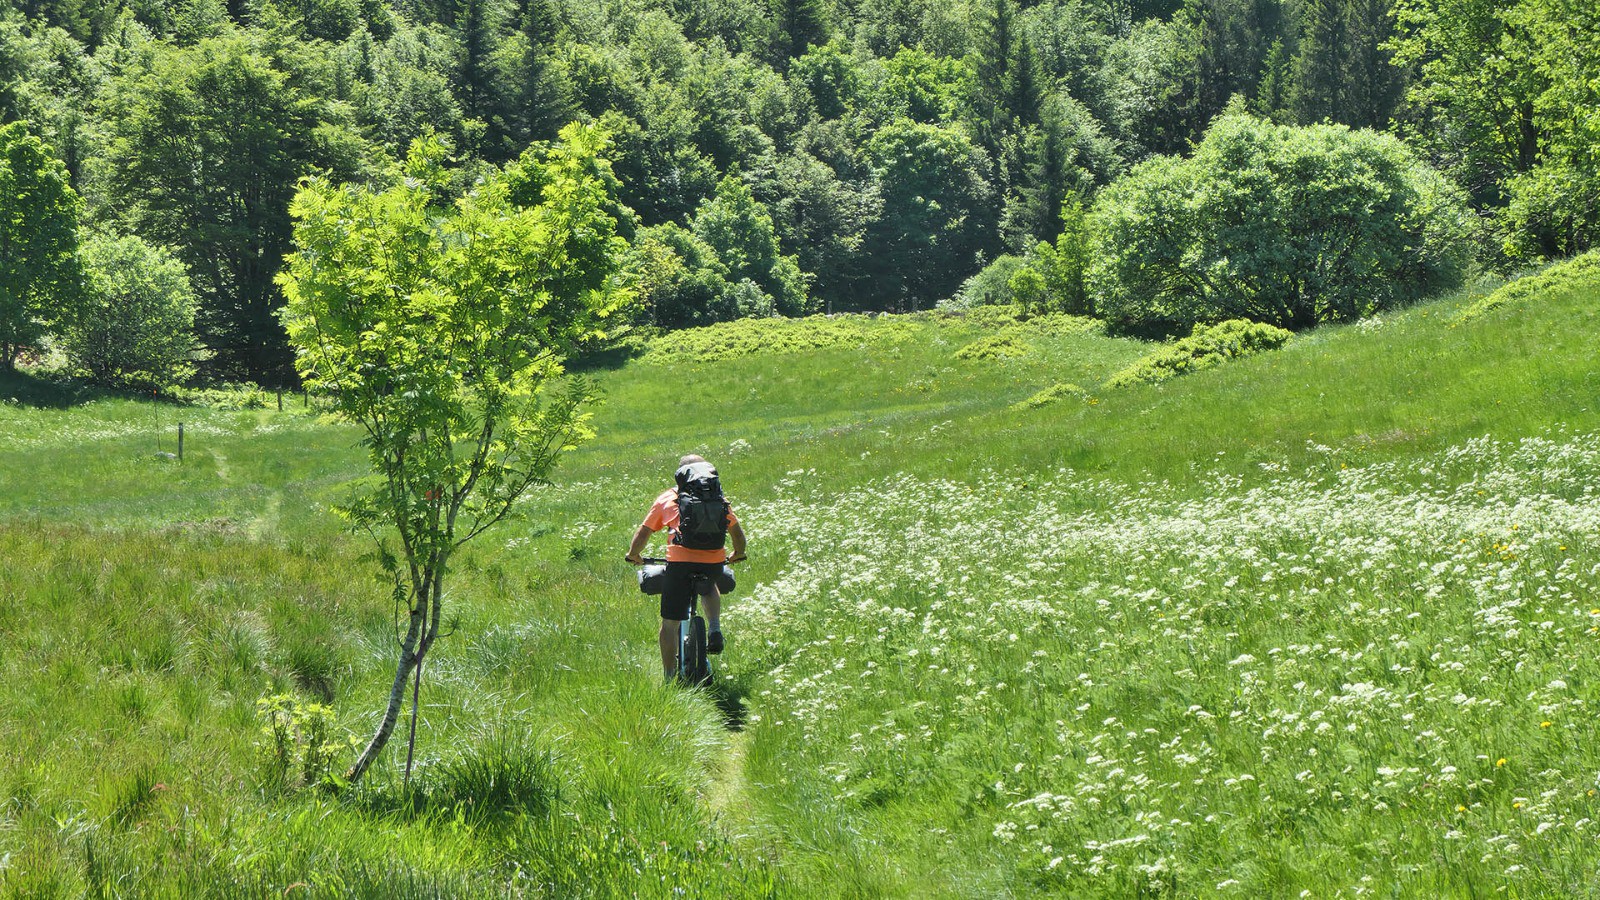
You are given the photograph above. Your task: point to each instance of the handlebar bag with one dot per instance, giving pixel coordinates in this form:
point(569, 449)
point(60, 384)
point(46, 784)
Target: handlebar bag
point(653, 579)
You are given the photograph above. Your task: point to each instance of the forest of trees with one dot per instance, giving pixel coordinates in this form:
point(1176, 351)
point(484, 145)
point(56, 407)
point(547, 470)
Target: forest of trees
point(790, 156)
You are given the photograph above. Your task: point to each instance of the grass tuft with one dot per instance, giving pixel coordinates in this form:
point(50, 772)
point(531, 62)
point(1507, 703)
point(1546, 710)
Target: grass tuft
point(498, 778)
point(127, 797)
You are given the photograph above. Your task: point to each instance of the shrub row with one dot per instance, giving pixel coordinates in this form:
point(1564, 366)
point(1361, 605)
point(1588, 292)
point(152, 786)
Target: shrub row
point(1012, 339)
point(747, 337)
point(1004, 345)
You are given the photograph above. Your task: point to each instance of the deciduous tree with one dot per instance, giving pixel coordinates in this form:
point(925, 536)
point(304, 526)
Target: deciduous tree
point(939, 214)
point(738, 228)
point(207, 146)
point(440, 329)
point(1475, 90)
point(1286, 225)
point(825, 219)
point(40, 279)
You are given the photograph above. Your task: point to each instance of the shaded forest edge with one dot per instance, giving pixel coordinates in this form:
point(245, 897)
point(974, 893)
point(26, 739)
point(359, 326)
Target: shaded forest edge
point(784, 157)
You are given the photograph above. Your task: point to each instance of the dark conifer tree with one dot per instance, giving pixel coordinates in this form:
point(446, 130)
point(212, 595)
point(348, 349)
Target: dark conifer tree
point(543, 101)
point(1317, 88)
point(1023, 94)
point(1342, 69)
point(13, 66)
point(996, 49)
point(1063, 156)
point(1373, 84)
point(479, 27)
point(1272, 94)
point(1235, 37)
point(797, 25)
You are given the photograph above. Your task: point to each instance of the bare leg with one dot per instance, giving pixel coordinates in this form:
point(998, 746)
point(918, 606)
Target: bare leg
point(669, 647)
point(713, 606)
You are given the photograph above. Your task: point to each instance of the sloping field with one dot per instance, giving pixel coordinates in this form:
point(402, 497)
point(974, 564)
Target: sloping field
point(1325, 619)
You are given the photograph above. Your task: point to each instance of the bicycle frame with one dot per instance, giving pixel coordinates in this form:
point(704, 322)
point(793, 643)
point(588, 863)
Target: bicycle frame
point(694, 665)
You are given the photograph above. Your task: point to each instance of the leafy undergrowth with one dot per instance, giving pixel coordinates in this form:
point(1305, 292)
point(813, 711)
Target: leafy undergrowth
point(1055, 393)
point(1276, 626)
point(1017, 338)
point(1578, 273)
point(773, 337)
point(750, 337)
point(1208, 347)
point(995, 346)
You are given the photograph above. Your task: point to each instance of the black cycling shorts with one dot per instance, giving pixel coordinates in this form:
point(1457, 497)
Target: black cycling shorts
point(678, 588)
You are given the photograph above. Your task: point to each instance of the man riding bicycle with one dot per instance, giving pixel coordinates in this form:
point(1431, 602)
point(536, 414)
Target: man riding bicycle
point(702, 524)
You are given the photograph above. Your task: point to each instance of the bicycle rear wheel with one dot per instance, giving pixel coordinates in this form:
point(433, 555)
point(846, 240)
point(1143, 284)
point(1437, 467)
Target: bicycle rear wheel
point(694, 650)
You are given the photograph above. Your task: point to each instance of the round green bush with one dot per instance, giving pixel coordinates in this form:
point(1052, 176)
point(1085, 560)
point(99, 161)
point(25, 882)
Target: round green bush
point(136, 326)
point(1287, 225)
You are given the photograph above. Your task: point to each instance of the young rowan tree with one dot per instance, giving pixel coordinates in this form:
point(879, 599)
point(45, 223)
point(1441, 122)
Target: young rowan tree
point(440, 329)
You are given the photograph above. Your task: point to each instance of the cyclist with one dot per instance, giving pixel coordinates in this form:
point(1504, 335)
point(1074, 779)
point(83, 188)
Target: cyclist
point(684, 563)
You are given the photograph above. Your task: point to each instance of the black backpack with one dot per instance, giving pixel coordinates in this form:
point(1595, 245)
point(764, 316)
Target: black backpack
point(702, 511)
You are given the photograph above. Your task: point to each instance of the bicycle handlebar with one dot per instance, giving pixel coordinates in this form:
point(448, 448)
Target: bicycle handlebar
point(658, 560)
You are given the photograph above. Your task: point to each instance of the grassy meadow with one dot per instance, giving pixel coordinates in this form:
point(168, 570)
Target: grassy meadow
point(1319, 622)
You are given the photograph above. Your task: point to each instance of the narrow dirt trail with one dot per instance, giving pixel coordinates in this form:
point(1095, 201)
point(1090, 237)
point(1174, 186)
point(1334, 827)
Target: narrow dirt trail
point(728, 794)
point(733, 800)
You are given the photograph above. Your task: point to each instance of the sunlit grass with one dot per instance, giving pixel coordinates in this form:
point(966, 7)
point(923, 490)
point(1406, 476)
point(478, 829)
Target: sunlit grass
point(149, 604)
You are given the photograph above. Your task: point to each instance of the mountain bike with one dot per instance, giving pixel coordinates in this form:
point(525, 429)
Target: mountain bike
point(694, 665)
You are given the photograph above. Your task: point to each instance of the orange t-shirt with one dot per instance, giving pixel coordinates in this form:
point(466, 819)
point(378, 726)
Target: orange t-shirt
point(664, 514)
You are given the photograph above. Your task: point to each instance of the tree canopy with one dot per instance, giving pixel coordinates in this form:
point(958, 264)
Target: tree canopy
point(896, 147)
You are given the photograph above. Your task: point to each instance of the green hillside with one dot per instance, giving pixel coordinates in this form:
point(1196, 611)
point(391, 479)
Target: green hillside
point(1323, 619)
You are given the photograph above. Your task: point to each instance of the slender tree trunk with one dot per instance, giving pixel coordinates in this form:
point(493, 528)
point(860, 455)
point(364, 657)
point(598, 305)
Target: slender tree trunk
point(426, 618)
point(411, 735)
point(411, 649)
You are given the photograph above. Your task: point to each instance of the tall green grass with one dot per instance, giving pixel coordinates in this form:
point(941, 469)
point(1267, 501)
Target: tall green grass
point(150, 604)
